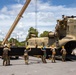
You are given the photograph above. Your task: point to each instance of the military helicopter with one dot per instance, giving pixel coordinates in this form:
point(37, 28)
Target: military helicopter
point(64, 35)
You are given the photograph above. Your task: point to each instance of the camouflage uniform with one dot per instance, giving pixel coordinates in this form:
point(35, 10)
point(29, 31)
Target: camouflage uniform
point(53, 55)
point(44, 55)
point(63, 54)
point(8, 61)
point(5, 56)
point(26, 57)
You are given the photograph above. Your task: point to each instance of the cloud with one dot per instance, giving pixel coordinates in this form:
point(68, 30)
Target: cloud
point(47, 15)
point(4, 9)
point(3, 17)
point(20, 1)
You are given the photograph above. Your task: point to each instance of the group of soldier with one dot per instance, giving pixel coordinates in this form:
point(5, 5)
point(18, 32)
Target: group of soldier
point(43, 57)
point(6, 57)
point(53, 49)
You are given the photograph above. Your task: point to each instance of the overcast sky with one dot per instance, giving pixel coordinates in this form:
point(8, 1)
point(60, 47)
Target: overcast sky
point(48, 11)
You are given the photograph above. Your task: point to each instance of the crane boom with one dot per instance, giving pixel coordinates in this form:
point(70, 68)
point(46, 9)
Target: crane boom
point(16, 21)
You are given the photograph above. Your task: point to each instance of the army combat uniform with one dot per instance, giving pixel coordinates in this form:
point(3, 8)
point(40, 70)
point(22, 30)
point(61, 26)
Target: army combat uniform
point(8, 45)
point(53, 55)
point(26, 57)
point(63, 54)
point(44, 55)
point(5, 56)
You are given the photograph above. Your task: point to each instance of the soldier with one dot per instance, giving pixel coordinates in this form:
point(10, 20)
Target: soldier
point(8, 61)
point(44, 54)
point(26, 57)
point(5, 55)
point(63, 51)
point(53, 49)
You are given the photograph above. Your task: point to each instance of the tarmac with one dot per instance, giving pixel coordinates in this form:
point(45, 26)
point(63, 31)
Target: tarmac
point(36, 67)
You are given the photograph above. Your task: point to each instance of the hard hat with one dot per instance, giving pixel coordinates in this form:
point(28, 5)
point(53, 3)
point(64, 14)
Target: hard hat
point(52, 45)
point(41, 46)
point(62, 46)
point(27, 47)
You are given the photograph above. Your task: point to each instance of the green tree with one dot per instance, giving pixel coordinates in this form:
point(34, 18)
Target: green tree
point(12, 40)
point(32, 31)
point(17, 43)
point(44, 34)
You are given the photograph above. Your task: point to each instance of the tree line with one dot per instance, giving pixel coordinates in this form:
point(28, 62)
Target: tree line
point(31, 32)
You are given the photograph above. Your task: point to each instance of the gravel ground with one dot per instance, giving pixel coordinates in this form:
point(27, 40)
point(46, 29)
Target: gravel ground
point(36, 67)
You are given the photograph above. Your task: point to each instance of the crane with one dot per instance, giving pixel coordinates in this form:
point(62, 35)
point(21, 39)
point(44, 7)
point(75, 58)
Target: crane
point(16, 21)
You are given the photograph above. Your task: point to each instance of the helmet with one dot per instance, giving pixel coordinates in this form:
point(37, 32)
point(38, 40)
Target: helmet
point(52, 45)
point(41, 46)
point(27, 47)
point(62, 46)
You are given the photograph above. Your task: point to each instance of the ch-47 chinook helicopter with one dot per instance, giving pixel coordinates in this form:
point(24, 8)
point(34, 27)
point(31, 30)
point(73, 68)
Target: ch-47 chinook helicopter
point(64, 35)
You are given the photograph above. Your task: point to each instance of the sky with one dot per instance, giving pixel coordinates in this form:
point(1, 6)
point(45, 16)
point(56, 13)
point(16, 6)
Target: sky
point(47, 13)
